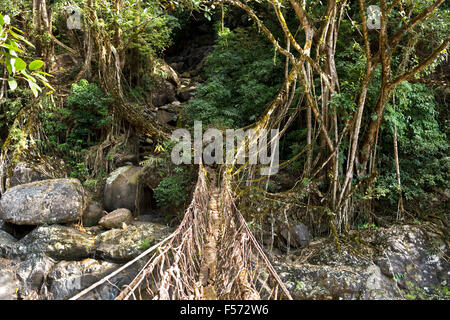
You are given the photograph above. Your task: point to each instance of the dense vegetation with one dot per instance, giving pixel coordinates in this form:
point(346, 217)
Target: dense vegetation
point(370, 129)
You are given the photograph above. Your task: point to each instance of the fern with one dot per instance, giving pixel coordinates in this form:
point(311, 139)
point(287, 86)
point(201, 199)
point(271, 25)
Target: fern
point(152, 162)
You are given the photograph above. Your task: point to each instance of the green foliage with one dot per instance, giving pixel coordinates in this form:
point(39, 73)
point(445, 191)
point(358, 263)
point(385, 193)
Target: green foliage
point(172, 191)
point(11, 105)
point(423, 145)
point(71, 130)
point(12, 44)
point(367, 225)
point(144, 245)
point(398, 276)
point(445, 291)
point(241, 79)
point(149, 29)
point(294, 142)
point(89, 111)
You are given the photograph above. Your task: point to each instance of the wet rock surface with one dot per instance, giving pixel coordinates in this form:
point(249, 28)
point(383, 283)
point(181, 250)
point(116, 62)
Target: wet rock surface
point(47, 201)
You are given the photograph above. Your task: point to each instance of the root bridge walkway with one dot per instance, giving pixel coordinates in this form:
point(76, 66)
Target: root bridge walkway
point(211, 255)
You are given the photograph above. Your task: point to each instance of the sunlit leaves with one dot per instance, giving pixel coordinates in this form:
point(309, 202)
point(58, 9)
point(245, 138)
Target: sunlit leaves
point(11, 44)
point(19, 65)
point(36, 64)
point(12, 83)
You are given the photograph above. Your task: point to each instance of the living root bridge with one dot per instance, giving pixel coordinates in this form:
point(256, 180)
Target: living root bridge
point(211, 255)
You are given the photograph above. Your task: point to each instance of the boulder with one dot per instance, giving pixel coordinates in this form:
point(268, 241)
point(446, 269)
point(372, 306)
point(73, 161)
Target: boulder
point(8, 284)
point(92, 214)
point(298, 236)
point(168, 114)
point(6, 238)
point(121, 160)
point(168, 71)
point(32, 275)
point(55, 241)
point(318, 282)
point(185, 92)
point(123, 190)
point(68, 278)
point(23, 173)
point(47, 201)
point(125, 244)
point(166, 117)
point(116, 219)
point(164, 93)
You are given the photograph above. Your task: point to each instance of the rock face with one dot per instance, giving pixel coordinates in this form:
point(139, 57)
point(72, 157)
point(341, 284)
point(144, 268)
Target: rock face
point(122, 190)
point(48, 201)
point(116, 219)
point(125, 244)
point(23, 174)
point(58, 242)
point(414, 258)
point(92, 214)
point(6, 238)
point(414, 270)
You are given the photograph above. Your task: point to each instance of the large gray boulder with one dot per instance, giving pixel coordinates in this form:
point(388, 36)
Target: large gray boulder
point(124, 190)
point(169, 114)
point(68, 278)
point(47, 201)
point(125, 244)
point(168, 71)
point(116, 219)
point(55, 241)
point(185, 91)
